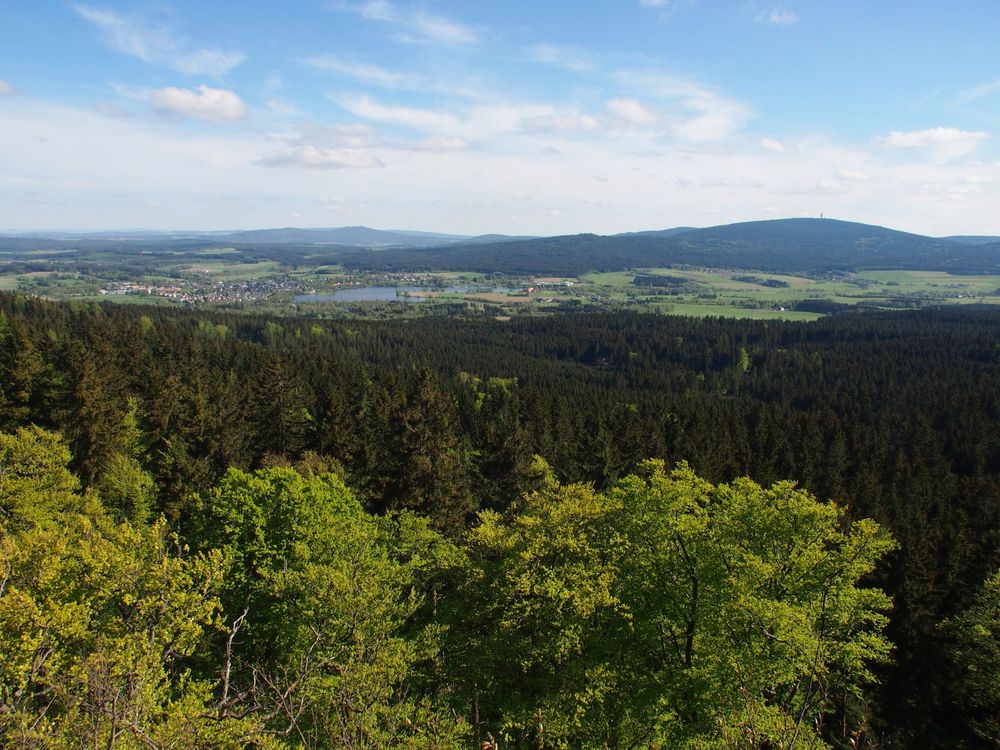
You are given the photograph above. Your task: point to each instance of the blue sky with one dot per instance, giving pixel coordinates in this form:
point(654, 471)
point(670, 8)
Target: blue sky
point(499, 116)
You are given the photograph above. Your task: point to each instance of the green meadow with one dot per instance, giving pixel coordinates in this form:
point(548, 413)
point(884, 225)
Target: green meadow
point(761, 295)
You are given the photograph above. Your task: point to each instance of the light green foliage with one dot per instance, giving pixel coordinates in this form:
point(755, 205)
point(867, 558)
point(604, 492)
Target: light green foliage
point(666, 612)
point(35, 485)
point(744, 363)
point(127, 489)
point(213, 330)
point(674, 613)
point(973, 639)
point(329, 593)
point(764, 617)
point(272, 330)
point(96, 621)
point(546, 586)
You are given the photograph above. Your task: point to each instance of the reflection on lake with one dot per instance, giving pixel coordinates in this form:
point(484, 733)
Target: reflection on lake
point(389, 293)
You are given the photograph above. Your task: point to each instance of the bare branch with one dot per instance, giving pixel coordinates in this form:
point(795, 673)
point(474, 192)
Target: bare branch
point(227, 668)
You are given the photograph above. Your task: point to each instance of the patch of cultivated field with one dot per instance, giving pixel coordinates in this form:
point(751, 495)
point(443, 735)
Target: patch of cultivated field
point(217, 251)
point(936, 282)
point(233, 271)
point(701, 310)
point(500, 298)
point(611, 278)
point(740, 291)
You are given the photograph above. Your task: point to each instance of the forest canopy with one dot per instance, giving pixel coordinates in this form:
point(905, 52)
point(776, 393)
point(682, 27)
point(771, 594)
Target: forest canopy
point(438, 440)
point(665, 612)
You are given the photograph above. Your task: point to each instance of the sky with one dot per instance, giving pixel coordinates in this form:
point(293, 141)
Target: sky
point(508, 116)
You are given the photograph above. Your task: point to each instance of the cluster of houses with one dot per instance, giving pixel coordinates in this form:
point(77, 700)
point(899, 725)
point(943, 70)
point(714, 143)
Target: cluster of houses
point(219, 292)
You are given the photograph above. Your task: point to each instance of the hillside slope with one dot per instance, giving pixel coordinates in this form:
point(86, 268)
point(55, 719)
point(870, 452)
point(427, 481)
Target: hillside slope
point(783, 245)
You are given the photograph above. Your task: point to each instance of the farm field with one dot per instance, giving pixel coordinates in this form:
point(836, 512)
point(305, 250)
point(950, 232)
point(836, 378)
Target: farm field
point(695, 310)
point(225, 276)
point(698, 289)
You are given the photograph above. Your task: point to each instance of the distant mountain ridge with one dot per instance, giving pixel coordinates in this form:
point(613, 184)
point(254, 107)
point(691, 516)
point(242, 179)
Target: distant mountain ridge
point(805, 246)
point(353, 236)
point(357, 236)
point(973, 239)
point(780, 245)
point(673, 231)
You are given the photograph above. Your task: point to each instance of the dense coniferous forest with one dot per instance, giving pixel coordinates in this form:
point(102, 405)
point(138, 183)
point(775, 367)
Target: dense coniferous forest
point(230, 530)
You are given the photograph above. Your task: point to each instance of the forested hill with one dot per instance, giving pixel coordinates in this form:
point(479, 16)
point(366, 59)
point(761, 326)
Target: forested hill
point(828, 244)
point(796, 246)
point(893, 415)
point(317, 242)
point(780, 246)
point(356, 236)
point(974, 239)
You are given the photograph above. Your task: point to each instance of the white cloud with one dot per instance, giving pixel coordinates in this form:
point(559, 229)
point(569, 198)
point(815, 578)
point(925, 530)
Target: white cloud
point(360, 71)
point(772, 144)
point(282, 108)
point(777, 17)
point(149, 170)
point(979, 92)
point(313, 157)
point(439, 29)
point(158, 44)
point(507, 179)
point(942, 143)
point(442, 144)
point(484, 122)
point(353, 135)
point(6, 89)
point(692, 111)
point(412, 117)
point(632, 111)
point(416, 26)
point(210, 62)
point(561, 56)
point(378, 10)
point(386, 78)
point(697, 115)
point(717, 119)
point(110, 109)
point(508, 118)
point(340, 146)
point(350, 145)
point(666, 8)
point(566, 121)
point(135, 93)
point(202, 103)
point(854, 175)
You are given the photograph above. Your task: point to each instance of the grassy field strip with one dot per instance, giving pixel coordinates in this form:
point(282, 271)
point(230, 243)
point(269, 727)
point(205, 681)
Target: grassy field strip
point(725, 311)
point(234, 271)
